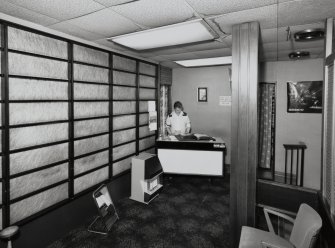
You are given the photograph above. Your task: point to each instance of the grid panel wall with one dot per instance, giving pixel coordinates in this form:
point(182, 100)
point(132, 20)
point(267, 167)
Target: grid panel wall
point(1, 114)
point(69, 119)
point(147, 92)
point(90, 135)
point(125, 124)
point(37, 121)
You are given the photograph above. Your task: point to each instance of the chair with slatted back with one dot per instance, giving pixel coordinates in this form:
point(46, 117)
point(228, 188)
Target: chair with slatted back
point(306, 228)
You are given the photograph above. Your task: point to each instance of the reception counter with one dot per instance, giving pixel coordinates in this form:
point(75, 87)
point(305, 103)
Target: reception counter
point(204, 158)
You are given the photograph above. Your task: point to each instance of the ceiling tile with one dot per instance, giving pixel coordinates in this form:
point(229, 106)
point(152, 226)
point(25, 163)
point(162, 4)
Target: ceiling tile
point(305, 11)
point(283, 55)
point(213, 53)
point(168, 51)
point(60, 9)
point(266, 16)
point(179, 56)
point(206, 46)
point(158, 59)
point(106, 23)
point(293, 46)
point(170, 64)
point(110, 3)
point(109, 44)
point(217, 7)
point(270, 35)
point(155, 13)
point(25, 14)
point(68, 28)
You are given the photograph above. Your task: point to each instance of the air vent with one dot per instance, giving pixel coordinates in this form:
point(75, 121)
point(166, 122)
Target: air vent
point(309, 34)
point(299, 55)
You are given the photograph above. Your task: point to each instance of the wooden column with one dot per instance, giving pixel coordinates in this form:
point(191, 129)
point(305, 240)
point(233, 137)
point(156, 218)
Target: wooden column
point(244, 149)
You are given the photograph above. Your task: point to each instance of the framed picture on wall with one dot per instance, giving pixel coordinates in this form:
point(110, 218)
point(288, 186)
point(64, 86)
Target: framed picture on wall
point(304, 97)
point(202, 94)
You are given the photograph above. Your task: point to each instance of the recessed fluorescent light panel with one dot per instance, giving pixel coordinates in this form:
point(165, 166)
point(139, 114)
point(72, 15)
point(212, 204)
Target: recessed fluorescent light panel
point(171, 35)
point(205, 62)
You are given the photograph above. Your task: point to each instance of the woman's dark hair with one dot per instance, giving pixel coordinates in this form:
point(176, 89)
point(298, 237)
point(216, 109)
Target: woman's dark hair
point(178, 104)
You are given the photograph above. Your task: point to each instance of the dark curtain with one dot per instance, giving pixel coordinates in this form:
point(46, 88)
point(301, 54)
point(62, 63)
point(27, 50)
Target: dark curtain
point(267, 106)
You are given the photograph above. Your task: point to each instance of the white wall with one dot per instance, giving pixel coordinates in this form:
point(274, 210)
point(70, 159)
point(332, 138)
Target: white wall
point(294, 127)
point(206, 117)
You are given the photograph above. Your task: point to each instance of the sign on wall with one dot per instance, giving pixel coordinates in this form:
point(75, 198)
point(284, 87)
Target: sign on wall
point(225, 101)
point(304, 97)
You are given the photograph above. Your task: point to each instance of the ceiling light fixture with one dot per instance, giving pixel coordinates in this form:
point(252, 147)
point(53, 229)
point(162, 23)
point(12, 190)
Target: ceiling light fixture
point(309, 34)
point(205, 62)
point(170, 35)
point(299, 55)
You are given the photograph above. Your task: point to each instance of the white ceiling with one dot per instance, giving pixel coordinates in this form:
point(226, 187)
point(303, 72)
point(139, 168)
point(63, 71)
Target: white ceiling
point(96, 20)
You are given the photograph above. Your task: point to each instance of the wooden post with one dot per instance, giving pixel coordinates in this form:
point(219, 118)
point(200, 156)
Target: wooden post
point(244, 127)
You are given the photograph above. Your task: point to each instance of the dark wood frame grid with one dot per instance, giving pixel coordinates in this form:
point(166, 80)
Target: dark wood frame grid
point(5, 129)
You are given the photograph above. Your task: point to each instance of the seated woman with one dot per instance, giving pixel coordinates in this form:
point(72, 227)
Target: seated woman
point(178, 121)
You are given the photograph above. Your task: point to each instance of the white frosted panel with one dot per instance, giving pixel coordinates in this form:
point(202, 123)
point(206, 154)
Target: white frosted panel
point(124, 107)
point(25, 65)
point(120, 122)
point(90, 162)
point(92, 144)
point(147, 94)
point(31, 182)
point(124, 78)
point(37, 135)
point(32, 159)
point(121, 166)
point(143, 106)
point(36, 203)
point(30, 89)
point(20, 113)
point(88, 55)
point(83, 128)
point(90, 109)
point(90, 73)
point(124, 63)
point(146, 81)
point(147, 142)
point(147, 69)
point(34, 43)
point(144, 131)
point(0, 166)
point(1, 193)
point(90, 91)
point(122, 151)
point(90, 179)
point(144, 119)
point(124, 93)
point(124, 136)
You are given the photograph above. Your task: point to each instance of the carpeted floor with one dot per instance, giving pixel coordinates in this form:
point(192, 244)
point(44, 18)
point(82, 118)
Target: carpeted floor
point(190, 212)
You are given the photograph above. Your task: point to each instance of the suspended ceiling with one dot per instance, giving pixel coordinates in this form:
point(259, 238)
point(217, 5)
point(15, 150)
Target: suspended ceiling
point(96, 20)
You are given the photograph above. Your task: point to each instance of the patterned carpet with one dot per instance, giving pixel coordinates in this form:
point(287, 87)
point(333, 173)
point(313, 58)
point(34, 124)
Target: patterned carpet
point(190, 212)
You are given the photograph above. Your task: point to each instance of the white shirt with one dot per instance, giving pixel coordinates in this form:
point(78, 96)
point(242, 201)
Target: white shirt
point(179, 122)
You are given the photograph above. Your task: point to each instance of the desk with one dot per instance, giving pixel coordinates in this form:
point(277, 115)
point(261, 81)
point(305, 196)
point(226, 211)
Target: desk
point(204, 158)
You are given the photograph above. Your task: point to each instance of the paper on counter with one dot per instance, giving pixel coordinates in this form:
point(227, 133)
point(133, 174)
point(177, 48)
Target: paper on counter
point(153, 120)
point(151, 106)
point(173, 138)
